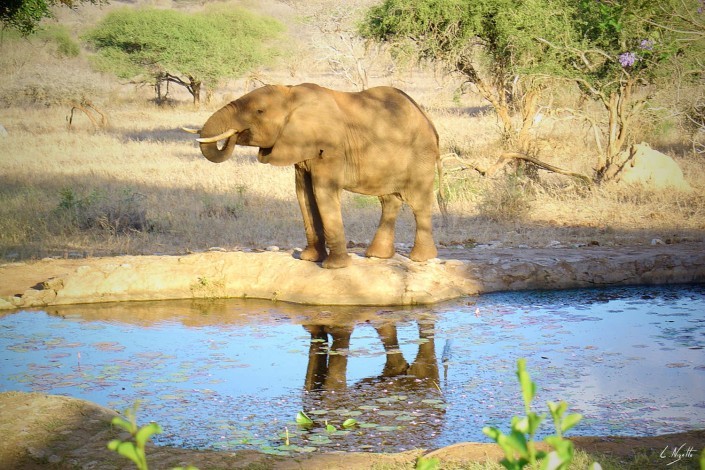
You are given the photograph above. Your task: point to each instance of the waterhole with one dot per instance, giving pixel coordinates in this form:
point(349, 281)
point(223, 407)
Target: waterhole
point(234, 374)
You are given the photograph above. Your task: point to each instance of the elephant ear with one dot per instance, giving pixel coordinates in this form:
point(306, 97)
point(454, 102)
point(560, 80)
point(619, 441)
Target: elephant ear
point(313, 129)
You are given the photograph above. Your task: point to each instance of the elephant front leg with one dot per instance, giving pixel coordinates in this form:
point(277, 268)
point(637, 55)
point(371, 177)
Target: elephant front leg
point(328, 202)
point(315, 242)
point(382, 245)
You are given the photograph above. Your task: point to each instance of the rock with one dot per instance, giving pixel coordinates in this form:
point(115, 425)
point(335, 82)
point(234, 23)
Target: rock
point(645, 166)
point(367, 281)
point(657, 241)
point(272, 248)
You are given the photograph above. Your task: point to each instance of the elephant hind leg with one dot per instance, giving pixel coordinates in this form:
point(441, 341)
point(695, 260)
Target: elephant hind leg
point(382, 245)
point(424, 246)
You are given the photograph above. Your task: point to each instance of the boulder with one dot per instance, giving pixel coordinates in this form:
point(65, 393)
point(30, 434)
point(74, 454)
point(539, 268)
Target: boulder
point(645, 166)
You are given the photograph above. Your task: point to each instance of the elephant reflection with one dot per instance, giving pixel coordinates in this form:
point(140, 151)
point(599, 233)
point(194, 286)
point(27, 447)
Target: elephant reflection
point(403, 395)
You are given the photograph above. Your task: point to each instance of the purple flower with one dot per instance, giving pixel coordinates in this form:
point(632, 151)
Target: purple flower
point(627, 59)
point(647, 45)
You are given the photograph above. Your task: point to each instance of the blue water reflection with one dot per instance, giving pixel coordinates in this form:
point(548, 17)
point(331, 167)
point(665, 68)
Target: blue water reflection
point(233, 374)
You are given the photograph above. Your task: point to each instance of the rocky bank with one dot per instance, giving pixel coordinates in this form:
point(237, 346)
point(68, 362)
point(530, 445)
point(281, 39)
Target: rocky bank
point(280, 276)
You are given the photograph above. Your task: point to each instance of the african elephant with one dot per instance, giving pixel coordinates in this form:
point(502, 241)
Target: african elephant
point(376, 142)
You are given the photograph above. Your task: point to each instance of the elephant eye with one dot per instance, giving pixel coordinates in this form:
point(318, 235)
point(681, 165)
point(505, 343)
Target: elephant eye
point(260, 111)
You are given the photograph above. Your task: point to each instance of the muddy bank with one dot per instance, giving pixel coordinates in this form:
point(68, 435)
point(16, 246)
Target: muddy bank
point(397, 281)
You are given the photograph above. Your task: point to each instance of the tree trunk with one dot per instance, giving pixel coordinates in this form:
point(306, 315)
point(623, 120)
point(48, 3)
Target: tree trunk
point(500, 106)
point(529, 108)
point(195, 89)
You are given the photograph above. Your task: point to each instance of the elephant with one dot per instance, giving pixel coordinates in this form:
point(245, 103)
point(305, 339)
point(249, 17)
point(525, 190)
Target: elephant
point(375, 142)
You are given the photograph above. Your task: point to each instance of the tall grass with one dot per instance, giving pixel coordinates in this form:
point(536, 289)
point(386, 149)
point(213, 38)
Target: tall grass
point(141, 186)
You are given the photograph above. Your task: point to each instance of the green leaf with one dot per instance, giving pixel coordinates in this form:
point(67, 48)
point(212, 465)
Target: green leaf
point(563, 454)
point(128, 449)
point(146, 432)
point(303, 420)
point(518, 442)
point(113, 445)
point(520, 424)
point(557, 409)
point(330, 427)
point(350, 422)
point(491, 432)
point(570, 421)
point(528, 388)
point(120, 422)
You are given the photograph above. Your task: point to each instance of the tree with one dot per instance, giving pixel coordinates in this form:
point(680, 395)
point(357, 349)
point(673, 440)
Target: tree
point(25, 15)
point(613, 50)
point(337, 44)
point(616, 51)
point(191, 50)
point(484, 40)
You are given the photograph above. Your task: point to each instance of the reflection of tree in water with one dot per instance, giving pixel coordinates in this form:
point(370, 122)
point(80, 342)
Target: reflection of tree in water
point(403, 403)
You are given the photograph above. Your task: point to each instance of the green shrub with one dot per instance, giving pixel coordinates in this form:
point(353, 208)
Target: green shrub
point(121, 213)
point(519, 445)
point(65, 44)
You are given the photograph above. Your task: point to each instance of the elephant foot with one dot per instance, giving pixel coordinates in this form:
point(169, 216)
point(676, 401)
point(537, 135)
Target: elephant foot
point(335, 261)
point(423, 253)
point(380, 251)
point(312, 253)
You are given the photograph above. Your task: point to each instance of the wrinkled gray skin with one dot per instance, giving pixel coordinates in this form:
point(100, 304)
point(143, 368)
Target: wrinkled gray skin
point(375, 142)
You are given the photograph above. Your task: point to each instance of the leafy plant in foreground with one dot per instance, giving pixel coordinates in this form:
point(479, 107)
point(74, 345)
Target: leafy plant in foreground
point(135, 451)
point(519, 445)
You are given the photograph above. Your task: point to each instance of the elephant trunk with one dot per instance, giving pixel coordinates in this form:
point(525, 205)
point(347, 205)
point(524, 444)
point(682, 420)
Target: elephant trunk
point(219, 126)
point(214, 154)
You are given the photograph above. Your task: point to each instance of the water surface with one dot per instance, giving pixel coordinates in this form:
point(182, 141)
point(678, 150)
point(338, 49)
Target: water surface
point(233, 374)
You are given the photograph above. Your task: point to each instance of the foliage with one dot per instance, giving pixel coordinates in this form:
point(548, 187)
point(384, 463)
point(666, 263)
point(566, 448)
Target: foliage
point(508, 199)
point(59, 36)
point(150, 44)
point(489, 42)
point(511, 49)
point(117, 213)
point(135, 451)
point(25, 15)
point(519, 445)
point(616, 50)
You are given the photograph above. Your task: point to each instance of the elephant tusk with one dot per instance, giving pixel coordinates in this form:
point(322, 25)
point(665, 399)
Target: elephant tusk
point(224, 135)
point(191, 131)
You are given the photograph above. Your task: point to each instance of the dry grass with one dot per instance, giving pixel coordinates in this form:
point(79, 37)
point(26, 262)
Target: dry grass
point(141, 186)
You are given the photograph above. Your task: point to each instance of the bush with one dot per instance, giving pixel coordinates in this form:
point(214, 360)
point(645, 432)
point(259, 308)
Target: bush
point(65, 44)
point(96, 210)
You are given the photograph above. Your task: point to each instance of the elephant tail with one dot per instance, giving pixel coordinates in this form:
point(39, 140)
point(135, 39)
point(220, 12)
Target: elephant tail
point(441, 195)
